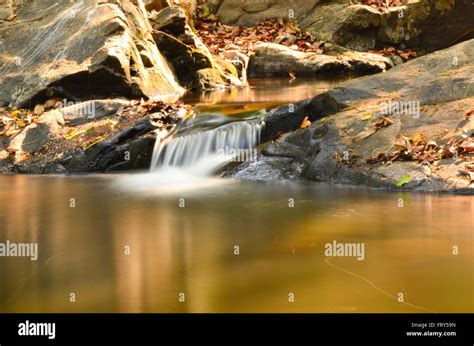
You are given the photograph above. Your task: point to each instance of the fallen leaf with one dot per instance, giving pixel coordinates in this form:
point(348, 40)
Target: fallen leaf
point(278, 135)
point(383, 122)
point(292, 76)
point(305, 123)
point(403, 180)
point(11, 17)
point(367, 117)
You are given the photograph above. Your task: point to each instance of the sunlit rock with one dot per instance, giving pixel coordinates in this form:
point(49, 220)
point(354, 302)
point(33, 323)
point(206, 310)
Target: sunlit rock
point(81, 50)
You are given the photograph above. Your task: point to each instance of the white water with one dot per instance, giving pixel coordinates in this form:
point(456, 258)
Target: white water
point(185, 164)
point(201, 153)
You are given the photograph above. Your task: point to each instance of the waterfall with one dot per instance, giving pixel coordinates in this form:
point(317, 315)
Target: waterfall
point(201, 153)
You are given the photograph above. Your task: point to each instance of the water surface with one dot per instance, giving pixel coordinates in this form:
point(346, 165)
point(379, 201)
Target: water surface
point(191, 249)
point(134, 243)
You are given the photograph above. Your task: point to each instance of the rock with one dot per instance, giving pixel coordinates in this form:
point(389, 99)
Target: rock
point(81, 50)
point(429, 95)
point(156, 5)
point(35, 136)
point(425, 25)
point(189, 6)
point(354, 27)
point(171, 20)
point(249, 13)
point(91, 110)
point(140, 151)
point(240, 62)
point(274, 59)
point(192, 62)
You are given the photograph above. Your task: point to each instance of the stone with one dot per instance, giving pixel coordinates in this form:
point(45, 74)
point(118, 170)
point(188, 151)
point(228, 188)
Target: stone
point(424, 25)
point(35, 136)
point(443, 93)
point(79, 51)
point(274, 59)
point(91, 110)
point(354, 27)
point(249, 13)
point(192, 62)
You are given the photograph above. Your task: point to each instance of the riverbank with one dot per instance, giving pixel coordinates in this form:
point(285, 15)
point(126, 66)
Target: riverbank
point(77, 105)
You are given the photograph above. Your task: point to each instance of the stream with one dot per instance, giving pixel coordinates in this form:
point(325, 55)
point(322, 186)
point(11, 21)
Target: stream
point(178, 239)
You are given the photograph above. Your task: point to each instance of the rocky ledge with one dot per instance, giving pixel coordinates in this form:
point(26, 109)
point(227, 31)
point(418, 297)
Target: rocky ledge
point(409, 128)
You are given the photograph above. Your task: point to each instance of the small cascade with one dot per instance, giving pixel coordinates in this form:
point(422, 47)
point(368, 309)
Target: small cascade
point(201, 153)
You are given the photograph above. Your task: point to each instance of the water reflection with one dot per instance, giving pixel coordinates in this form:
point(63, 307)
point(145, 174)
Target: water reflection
point(83, 250)
point(266, 92)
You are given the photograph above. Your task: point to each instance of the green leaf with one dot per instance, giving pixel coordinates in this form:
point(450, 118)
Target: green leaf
point(403, 180)
point(205, 11)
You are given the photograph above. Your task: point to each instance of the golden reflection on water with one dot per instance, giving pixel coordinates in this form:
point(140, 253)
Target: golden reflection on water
point(191, 250)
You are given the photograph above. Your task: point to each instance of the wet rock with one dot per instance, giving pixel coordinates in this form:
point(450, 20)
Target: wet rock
point(429, 96)
point(81, 50)
point(274, 59)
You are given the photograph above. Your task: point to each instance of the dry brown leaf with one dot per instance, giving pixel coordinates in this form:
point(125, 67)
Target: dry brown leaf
point(305, 123)
point(383, 122)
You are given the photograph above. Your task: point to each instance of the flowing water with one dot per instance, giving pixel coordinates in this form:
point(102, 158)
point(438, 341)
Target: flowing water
point(138, 242)
point(199, 153)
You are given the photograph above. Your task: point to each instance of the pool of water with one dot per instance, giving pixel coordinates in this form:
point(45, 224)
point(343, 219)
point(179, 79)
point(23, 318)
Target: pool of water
point(262, 93)
point(231, 246)
point(174, 242)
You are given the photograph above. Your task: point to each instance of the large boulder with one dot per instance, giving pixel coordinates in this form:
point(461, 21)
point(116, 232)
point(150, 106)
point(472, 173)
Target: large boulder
point(425, 25)
point(401, 128)
point(428, 25)
point(354, 27)
point(81, 50)
point(249, 13)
